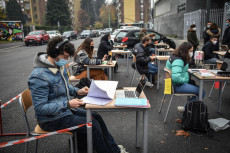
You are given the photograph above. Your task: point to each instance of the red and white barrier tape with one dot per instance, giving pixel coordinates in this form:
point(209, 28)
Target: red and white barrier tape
point(10, 101)
point(11, 143)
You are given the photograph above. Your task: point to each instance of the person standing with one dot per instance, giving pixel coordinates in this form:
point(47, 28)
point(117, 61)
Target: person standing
point(214, 31)
point(226, 37)
point(142, 34)
point(205, 35)
point(192, 38)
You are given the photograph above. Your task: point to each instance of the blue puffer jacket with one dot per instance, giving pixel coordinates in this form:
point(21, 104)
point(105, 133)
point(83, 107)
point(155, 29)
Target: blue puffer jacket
point(50, 90)
point(179, 70)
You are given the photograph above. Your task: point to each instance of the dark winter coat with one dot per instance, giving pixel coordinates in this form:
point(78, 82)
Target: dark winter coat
point(142, 58)
point(226, 37)
point(205, 35)
point(208, 49)
point(192, 37)
point(104, 47)
point(215, 32)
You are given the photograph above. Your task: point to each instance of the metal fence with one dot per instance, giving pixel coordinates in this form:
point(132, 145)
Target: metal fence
point(198, 18)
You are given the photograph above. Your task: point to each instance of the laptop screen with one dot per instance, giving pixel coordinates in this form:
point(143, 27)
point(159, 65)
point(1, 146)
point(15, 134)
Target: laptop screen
point(141, 85)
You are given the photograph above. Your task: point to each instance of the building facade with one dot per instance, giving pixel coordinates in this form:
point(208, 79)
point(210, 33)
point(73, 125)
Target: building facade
point(38, 10)
point(77, 7)
point(133, 11)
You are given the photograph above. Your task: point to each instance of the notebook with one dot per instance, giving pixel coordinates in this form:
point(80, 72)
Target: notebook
point(132, 102)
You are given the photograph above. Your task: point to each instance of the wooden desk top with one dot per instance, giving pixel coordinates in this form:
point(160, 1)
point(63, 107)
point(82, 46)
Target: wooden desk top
point(120, 46)
point(102, 65)
point(161, 44)
point(120, 51)
point(162, 58)
point(209, 78)
point(165, 50)
point(222, 53)
point(111, 105)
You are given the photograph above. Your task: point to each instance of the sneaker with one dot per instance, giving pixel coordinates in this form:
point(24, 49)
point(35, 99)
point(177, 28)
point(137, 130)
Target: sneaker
point(122, 149)
point(149, 84)
point(180, 109)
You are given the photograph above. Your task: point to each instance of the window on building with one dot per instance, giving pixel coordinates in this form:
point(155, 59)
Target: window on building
point(35, 16)
point(142, 8)
point(142, 1)
point(34, 1)
point(35, 9)
point(142, 16)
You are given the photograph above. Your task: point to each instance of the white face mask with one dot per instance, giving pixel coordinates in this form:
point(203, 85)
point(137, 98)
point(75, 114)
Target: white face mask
point(214, 42)
point(191, 54)
point(194, 28)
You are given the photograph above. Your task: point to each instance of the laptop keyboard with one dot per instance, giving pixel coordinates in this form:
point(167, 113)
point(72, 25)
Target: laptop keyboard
point(130, 94)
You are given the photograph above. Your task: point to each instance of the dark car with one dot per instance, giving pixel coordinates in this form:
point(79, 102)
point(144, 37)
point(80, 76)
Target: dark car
point(70, 35)
point(95, 33)
point(37, 37)
point(85, 34)
point(130, 37)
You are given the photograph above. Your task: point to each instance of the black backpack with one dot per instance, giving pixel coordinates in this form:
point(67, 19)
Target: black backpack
point(195, 117)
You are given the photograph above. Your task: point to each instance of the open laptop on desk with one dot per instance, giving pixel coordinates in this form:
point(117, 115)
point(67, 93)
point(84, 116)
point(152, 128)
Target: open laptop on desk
point(133, 93)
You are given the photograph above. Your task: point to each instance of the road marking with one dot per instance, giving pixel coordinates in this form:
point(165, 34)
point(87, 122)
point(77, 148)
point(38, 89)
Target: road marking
point(9, 48)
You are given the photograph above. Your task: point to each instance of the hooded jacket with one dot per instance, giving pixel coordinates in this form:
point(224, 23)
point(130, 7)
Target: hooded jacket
point(208, 49)
point(226, 37)
point(50, 90)
point(192, 37)
point(215, 32)
point(104, 47)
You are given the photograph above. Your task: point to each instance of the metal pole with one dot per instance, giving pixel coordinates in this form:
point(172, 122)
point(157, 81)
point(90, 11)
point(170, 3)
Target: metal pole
point(207, 11)
point(109, 16)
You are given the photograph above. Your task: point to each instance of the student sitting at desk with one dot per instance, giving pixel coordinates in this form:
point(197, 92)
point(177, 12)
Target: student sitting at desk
point(178, 64)
point(105, 46)
point(208, 48)
point(83, 56)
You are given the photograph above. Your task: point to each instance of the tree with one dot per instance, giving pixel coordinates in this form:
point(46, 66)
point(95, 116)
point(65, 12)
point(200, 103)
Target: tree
point(83, 19)
point(98, 25)
point(2, 14)
point(57, 11)
point(105, 12)
point(14, 11)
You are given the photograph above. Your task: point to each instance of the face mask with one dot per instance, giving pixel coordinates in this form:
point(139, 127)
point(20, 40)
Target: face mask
point(61, 62)
point(191, 54)
point(226, 24)
point(194, 28)
point(154, 38)
point(214, 42)
point(208, 26)
point(92, 47)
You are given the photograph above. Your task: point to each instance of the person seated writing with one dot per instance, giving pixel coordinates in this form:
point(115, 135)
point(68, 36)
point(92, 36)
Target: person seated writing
point(83, 56)
point(105, 46)
point(152, 46)
point(178, 63)
point(51, 91)
point(144, 58)
point(208, 48)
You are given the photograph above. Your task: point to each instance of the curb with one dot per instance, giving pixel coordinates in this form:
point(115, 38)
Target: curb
point(11, 47)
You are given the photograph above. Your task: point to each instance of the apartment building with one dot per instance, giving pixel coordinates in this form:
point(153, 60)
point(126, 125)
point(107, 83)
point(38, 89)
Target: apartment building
point(134, 11)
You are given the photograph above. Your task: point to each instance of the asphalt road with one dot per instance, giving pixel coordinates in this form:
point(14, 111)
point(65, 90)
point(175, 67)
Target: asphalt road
point(16, 65)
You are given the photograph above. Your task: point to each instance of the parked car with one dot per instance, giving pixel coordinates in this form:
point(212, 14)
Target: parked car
point(129, 27)
point(85, 34)
point(70, 35)
point(37, 37)
point(130, 37)
point(105, 31)
point(115, 32)
point(53, 33)
point(95, 33)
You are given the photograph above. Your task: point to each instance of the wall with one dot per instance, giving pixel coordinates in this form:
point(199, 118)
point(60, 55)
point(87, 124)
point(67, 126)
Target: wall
point(10, 30)
point(129, 11)
point(169, 22)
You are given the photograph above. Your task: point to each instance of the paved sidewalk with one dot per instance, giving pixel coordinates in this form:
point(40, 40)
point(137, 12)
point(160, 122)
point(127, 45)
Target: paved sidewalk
point(11, 44)
point(179, 41)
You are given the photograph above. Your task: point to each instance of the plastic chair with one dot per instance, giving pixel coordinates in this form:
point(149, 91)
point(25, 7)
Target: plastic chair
point(25, 101)
point(168, 74)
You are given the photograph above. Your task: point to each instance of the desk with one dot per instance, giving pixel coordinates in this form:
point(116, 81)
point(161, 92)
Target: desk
point(164, 51)
point(111, 107)
point(101, 67)
point(120, 46)
point(125, 53)
point(159, 44)
point(216, 78)
point(158, 61)
point(221, 53)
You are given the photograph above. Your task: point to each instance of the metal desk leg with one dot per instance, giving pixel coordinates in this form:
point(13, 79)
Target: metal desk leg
point(220, 97)
point(145, 132)
point(88, 75)
point(89, 132)
point(110, 73)
point(201, 89)
point(127, 66)
point(138, 118)
point(158, 75)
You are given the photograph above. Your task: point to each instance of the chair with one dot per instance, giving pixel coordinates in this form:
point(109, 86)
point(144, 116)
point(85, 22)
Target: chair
point(134, 66)
point(25, 101)
point(168, 74)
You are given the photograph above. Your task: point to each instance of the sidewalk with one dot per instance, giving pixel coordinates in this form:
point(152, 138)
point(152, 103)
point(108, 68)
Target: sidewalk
point(179, 41)
point(11, 44)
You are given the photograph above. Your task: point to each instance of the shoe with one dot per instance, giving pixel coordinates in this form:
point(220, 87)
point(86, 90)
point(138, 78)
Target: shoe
point(149, 84)
point(122, 149)
point(180, 109)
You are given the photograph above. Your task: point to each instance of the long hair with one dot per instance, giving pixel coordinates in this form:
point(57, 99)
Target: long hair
point(182, 51)
point(213, 26)
point(86, 47)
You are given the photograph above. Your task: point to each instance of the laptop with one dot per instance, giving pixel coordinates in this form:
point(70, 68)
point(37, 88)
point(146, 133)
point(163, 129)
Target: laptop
point(131, 93)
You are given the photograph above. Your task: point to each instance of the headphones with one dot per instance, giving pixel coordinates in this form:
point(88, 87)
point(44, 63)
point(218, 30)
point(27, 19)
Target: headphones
point(56, 52)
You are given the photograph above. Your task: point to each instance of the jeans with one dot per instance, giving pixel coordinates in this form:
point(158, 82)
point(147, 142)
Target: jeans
point(188, 88)
point(103, 142)
point(152, 68)
point(211, 61)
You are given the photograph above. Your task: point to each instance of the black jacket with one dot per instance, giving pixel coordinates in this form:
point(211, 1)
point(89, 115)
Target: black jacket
point(142, 58)
point(206, 36)
point(226, 37)
point(208, 49)
point(104, 47)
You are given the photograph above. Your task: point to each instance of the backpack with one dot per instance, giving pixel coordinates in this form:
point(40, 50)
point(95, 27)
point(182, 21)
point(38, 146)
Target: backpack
point(195, 117)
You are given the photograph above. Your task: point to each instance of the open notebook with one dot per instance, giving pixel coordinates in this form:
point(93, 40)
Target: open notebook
point(101, 92)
